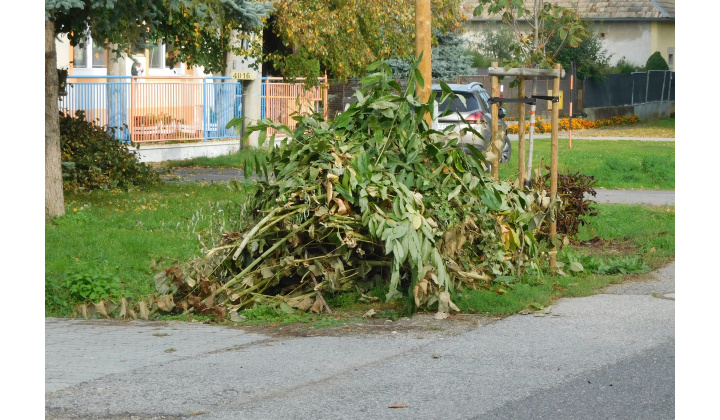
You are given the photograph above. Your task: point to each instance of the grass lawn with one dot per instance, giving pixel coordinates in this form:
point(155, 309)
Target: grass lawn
point(616, 164)
point(133, 235)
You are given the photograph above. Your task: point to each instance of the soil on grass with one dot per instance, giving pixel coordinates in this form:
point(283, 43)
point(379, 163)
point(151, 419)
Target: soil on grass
point(600, 246)
point(422, 325)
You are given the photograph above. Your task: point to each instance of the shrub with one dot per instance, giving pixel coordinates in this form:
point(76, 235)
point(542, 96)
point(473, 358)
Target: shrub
point(656, 62)
point(93, 286)
point(624, 67)
point(571, 189)
point(94, 159)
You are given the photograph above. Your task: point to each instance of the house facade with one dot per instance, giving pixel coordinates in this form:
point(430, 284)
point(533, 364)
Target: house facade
point(630, 29)
point(93, 60)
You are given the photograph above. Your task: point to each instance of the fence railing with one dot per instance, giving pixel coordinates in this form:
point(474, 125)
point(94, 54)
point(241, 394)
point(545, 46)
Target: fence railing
point(157, 109)
point(631, 89)
point(281, 100)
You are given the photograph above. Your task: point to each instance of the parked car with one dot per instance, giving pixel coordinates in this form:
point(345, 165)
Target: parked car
point(476, 112)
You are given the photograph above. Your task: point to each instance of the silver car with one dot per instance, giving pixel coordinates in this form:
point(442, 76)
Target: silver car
point(476, 112)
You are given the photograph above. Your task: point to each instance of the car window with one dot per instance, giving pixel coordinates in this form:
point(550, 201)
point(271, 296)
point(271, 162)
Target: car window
point(471, 103)
point(485, 98)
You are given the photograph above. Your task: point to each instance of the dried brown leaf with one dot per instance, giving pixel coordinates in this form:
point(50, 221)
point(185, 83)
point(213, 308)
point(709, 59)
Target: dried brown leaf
point(317, 306)
point(123, 308)
point(100, 309)
point(304, 304)
point(369, 314)
point(143, 311)
point(165, 303)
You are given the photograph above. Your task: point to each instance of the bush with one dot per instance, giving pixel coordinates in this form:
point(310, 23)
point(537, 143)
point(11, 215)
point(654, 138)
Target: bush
point(571, 189)
point(656, 62)
point(94, 159)
point(624, 67)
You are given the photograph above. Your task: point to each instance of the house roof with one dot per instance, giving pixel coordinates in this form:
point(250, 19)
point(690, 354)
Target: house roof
point(600, 9)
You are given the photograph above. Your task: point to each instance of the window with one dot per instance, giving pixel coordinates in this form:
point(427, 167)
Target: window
point(91, 59)
point(80, 59)
point(98, 56)
point(158, 57)
point(471, 103)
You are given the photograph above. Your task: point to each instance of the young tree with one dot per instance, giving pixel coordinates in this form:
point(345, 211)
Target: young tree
point(201, 32)
point(540, 33)
point(497, 44)
point(535, 30)
point(347, 35)
point(590, 58)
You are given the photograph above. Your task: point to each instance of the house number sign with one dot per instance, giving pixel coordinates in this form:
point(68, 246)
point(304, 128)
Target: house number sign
point(243, 75)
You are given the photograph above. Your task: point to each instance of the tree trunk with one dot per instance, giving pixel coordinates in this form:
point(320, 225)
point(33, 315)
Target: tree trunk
point(54, 200)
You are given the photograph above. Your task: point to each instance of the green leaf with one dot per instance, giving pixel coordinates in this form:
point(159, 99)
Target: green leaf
point(576, 267)
point(372, 79)
point(454, 193)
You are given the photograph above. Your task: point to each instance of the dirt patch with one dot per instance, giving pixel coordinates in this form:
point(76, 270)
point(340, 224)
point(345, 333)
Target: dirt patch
point(417, 326)
point(421, 325)
point(600, 246)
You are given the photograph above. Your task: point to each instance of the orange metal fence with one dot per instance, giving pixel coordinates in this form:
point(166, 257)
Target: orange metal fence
point(281, 101)
point(164, 109)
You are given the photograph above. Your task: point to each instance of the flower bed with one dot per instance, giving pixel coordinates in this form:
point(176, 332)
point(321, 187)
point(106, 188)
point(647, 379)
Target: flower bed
point(543, 126)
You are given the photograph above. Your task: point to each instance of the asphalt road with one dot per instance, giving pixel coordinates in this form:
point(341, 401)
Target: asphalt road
point(611, 356)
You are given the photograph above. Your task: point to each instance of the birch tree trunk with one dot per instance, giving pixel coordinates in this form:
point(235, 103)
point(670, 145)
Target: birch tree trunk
point(54, 199)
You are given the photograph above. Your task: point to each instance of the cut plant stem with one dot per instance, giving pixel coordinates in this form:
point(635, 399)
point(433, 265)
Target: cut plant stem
point(265, 254)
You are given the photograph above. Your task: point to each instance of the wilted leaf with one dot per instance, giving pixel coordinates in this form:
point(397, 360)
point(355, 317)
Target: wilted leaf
point(441, 315)
point(143, 311)
point(304, 304)
point(317, 306)
point(369, 314)
point(417, 221)
point(165, 303)
point(236, 317)
point(123, 308)
point(100, 309)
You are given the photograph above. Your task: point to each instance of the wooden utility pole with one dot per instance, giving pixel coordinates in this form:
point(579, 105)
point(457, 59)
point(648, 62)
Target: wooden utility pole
point(423, 46)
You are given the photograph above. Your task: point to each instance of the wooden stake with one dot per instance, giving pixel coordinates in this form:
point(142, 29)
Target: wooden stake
point(554, 160)
point(495, 92)
point(521, 132)
point(423, 39)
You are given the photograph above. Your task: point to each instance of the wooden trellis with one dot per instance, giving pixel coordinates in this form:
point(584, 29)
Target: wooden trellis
point(521, 73)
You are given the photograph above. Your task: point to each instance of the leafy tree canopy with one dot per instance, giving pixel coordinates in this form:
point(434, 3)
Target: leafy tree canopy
point(347, 35)
point(197, 31)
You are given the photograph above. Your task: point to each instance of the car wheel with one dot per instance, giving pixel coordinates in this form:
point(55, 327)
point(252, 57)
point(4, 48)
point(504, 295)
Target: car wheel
point(506, 151)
